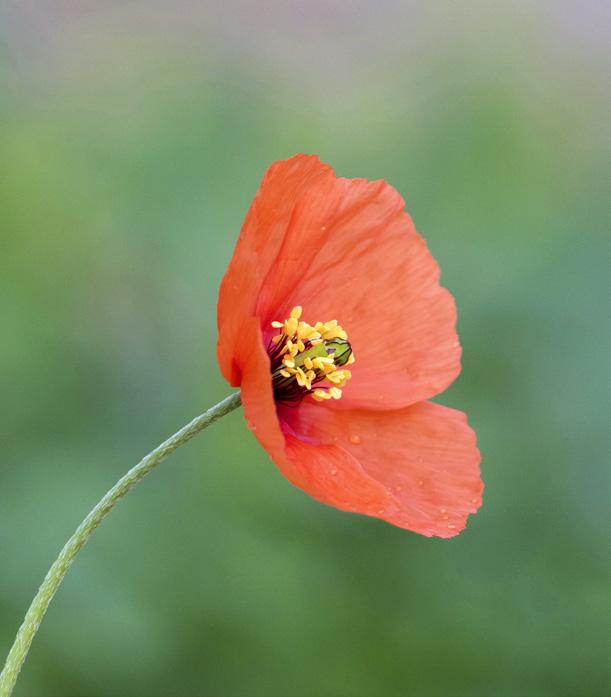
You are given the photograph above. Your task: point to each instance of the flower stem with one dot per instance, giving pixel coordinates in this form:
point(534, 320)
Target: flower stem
point(56, 573)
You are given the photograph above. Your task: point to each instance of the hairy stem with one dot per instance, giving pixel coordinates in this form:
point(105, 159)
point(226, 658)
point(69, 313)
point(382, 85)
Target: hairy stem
point(56, 573)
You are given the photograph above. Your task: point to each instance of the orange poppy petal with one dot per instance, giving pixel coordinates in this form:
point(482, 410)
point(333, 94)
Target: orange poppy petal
point(333, 476)
point(252, 363)
point(375, 275)
point(261, 239)
point(424, 456)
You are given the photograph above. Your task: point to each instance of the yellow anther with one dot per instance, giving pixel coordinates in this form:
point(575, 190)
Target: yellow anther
point(277, 325)
point(285, 373)
point(320, 395)
point(338, 376)
point(290, 326)
point(330, 330)
point(305, 331)
point(335, 392)
point(303, 328)
point(334, 333)
point(307, 361)
point(321, 361)
point(296, 312)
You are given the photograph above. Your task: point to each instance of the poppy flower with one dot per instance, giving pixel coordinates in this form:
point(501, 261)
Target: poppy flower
point(333, 324)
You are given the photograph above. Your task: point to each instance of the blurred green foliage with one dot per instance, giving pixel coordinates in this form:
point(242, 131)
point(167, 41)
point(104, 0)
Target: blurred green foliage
point(131, 142)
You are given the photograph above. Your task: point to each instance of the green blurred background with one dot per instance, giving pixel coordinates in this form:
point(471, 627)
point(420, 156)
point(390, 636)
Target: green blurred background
point(132, 139)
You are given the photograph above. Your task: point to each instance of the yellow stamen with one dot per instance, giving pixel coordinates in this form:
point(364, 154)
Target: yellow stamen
point(310, 355)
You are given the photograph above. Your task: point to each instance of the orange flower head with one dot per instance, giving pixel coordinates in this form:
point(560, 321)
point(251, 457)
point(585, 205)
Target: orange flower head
point(333, 324)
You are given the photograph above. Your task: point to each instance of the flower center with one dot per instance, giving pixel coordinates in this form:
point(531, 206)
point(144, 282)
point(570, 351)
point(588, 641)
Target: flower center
point(309, 360)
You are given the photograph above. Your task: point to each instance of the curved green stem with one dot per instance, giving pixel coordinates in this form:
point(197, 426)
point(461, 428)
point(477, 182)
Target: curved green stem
point(56, 573)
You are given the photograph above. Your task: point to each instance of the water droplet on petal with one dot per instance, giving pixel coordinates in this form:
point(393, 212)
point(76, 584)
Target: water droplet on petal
point(398, 488)
point(333, 472)
point(381, 510)
point(355, 439)
point(420, 482)
point(451, 527)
